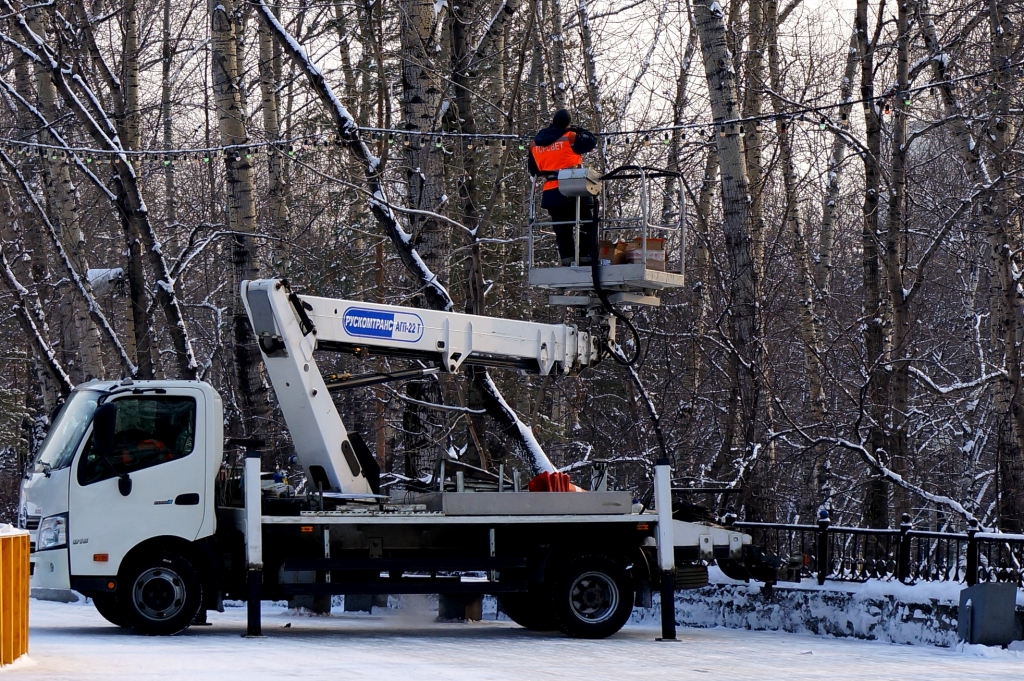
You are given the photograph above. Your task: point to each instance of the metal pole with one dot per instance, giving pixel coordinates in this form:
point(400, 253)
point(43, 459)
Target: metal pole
point(903, 564)
point(643, 217)
point(821, 546)
point(530, 219)
point(666, 548)
point(576, 231)
point(253, 542)
point(682, 228)
point(971, 578)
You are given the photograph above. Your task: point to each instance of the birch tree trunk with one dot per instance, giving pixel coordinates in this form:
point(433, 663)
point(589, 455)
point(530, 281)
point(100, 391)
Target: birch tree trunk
point(679, 102)
point(590, 70)
point(1004, 240)
point(895, 235)
point(1004, 300)
point(700, 275)
point(744, 327)
point(166, 115)
point(462, 56)
point(876, 503)
point(829, 213)
point(130, 65)
point(29, 265)
point(754, 86)
point(276, 189)
point(816, 465)
point(225, 69)
point(556, 86)
point(350, 75)
point(138, 320)
point(28, 311)
point(422, 40)
point(83, 347)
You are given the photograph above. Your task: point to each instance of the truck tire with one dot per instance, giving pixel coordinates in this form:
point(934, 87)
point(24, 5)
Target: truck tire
point(110, 608)
point(531, 610)
point(162, 594)
point(592, 597)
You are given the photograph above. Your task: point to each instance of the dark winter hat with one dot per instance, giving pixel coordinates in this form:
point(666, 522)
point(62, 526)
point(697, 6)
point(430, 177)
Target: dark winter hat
point(562, 119)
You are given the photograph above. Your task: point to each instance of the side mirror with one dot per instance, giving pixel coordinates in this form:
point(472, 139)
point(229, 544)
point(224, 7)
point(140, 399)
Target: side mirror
point(104, 423)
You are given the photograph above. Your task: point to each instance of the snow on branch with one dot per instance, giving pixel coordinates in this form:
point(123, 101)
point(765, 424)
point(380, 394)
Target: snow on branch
point(436, 294)
point(506, 8)
point(38, 115)
point(896, 478)
point(645, 397)
point(644, 65)
point(539, 460)
point(95, 312)
point(31, 325)
point(348, 131)
point(128, 199)
point(955, 387)
point(941, 236)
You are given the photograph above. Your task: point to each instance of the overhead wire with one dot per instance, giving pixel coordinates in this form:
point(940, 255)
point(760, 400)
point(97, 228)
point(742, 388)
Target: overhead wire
point(405, 136)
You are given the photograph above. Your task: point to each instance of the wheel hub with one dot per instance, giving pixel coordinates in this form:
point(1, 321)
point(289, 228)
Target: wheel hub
point(159, 593)
point(594, 597)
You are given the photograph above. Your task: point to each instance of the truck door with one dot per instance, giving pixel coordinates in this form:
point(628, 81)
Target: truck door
point(158, 443)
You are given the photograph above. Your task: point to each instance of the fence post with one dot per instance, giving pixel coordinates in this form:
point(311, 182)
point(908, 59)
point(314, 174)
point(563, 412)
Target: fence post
point(972, 553)
point(822, 546)
point(903, 559)
point(253, 542)
point(666, 548)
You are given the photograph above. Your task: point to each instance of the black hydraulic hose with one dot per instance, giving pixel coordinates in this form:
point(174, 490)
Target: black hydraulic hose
point(595, 273)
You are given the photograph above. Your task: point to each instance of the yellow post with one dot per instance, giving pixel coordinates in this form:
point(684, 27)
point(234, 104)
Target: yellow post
point(13, 595)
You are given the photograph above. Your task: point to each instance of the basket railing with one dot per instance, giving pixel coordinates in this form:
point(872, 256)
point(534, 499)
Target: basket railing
point(639, 222)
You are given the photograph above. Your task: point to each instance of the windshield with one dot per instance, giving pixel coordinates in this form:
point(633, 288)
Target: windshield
point(66, 432)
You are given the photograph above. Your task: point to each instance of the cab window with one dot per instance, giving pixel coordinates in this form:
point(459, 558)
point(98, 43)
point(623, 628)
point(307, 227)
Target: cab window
point(149, 431)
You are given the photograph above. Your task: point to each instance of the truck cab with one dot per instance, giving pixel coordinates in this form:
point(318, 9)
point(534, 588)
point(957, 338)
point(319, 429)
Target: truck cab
point(148, 451)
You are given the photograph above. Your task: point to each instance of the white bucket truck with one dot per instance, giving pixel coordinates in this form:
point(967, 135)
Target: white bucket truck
point(130, 500)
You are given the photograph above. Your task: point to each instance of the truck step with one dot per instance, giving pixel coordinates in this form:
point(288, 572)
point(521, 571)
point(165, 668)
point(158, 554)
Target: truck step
point(447, 564)
point(405, 586)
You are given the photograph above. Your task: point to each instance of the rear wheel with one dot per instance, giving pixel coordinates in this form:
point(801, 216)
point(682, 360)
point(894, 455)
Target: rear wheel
point(532, 610)
point(110, 608)
point(162, 595)
point(592, 597)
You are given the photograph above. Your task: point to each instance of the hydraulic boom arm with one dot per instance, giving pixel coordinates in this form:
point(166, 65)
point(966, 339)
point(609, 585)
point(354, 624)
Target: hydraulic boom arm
point(289, 327)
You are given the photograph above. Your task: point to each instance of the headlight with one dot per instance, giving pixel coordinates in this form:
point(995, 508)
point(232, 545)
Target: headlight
point(53, 532)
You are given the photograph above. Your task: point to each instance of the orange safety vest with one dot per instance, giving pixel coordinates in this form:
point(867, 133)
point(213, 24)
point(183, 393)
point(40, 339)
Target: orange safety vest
point(556, 156)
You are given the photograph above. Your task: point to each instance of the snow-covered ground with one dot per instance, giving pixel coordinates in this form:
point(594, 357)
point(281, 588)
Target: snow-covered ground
point(71, 641)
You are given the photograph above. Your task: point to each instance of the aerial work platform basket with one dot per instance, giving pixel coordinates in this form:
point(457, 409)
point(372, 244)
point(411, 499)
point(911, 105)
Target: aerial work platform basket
point(639, 256)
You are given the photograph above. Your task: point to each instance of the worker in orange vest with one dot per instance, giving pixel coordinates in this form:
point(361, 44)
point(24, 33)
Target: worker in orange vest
point(554, 148)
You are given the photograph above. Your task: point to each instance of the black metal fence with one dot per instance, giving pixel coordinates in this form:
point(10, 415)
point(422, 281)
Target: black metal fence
point(856, 554)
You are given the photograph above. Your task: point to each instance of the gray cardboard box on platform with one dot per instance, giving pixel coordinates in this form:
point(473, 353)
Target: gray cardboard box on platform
point(987, 614)
point(537, 503)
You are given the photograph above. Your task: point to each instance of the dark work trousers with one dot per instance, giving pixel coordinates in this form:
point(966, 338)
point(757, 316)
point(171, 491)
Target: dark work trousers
point(563, 209)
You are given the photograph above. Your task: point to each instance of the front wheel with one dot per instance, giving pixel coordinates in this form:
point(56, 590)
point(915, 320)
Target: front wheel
point(163, 595)
point(592, 597)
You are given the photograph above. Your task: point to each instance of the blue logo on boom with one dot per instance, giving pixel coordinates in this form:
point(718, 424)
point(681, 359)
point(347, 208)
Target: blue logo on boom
point(367, 323)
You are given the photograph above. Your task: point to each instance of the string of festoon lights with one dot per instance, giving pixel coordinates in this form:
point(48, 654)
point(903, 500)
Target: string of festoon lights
point(822, 117)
